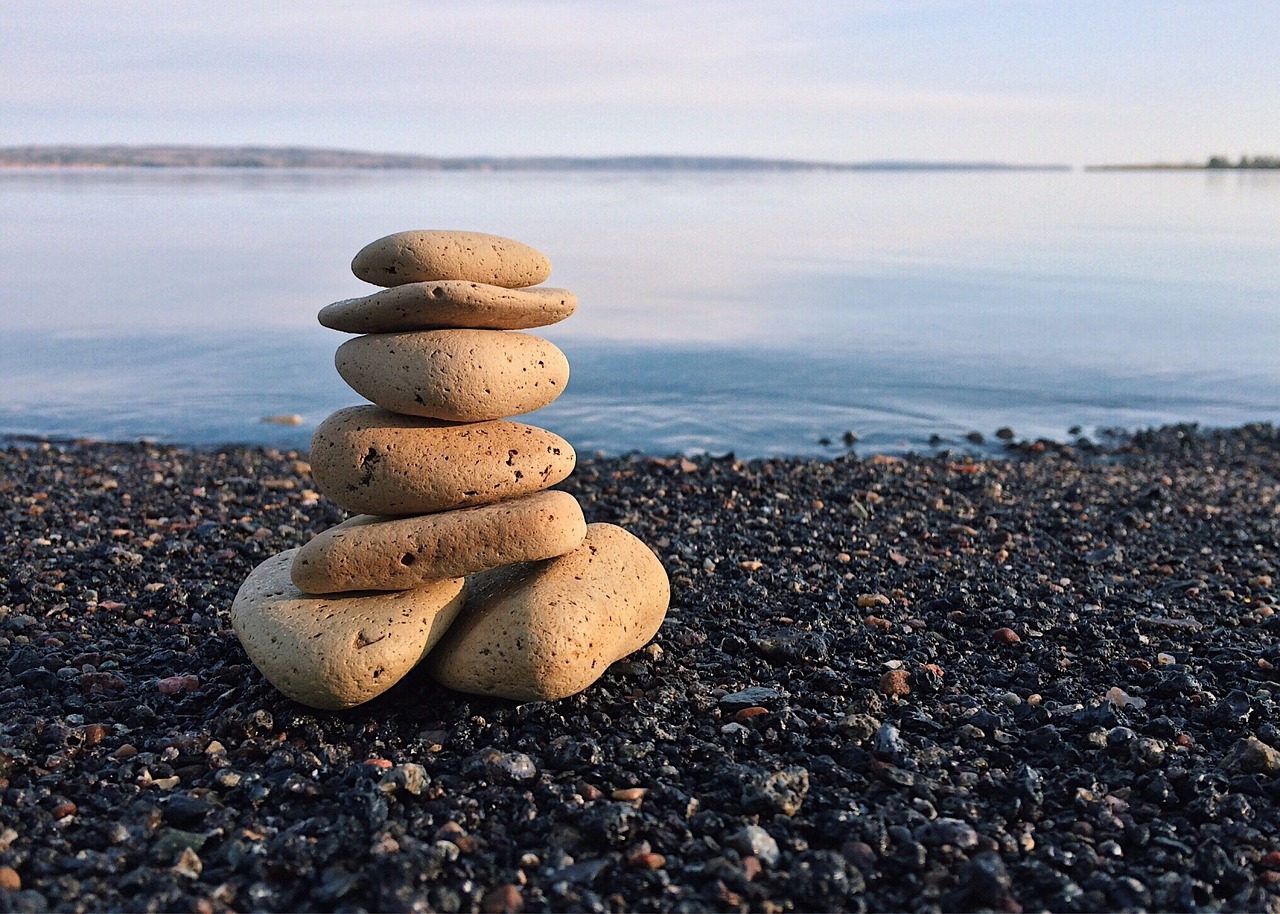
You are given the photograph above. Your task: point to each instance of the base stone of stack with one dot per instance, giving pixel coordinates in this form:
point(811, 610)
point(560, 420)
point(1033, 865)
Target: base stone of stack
point(449, 303)
point(424, 256)
point(458, 375)
point(337, 652)
point(547, 630)
point(376, 553)
point(371, 461)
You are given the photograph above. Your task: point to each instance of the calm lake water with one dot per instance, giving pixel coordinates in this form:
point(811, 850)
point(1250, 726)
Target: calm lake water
point(754, 313)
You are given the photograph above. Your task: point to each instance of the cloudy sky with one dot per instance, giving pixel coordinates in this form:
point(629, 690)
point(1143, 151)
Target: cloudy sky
point(844, 80)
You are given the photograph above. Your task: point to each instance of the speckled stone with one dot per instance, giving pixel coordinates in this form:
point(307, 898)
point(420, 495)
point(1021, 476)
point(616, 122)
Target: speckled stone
point(546, 630)
point(425, 256)
point(449, 303)
point(376, 553)
point(459, 375)
point(337, 652)
point(371, 461)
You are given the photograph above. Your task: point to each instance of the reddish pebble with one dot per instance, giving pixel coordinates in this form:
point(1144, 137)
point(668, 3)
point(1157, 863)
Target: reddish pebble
point(1139, 663)
point(502, 899)
point(173, 685)
point(589, 792)
point(64, 809)
point(860, 854)
point(1005, 636)
point(93, 734)
point(731, 898)
point(642, 857)
point(378, 763)
point(128, 750)
point(450, 831)
point(747, 713)
point(1271, 861)
point(108, 681)
point(751, 867)
point(630, 793)
point(876, 622)
point(896, 682)
point(10, 881)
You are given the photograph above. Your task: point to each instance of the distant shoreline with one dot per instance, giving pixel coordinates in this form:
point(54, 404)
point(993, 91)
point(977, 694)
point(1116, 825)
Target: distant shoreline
point(73, 157)
point(1170, 167)
point(1213, 163)
point(86, 157)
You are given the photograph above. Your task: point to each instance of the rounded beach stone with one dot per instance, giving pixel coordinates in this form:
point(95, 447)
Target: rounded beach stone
point(459, 375)
point(424, 256)
point(371, 461)
point(376, 553)
point(449, 303)
point(545, 630)
point(337, 652)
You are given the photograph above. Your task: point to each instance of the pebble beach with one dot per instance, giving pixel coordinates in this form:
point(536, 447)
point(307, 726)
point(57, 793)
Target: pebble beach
point(1041, 680)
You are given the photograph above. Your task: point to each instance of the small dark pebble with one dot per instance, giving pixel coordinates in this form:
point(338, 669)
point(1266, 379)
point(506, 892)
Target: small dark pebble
point(1121, 753)
point(792, 645)
point(503, 767)
point(184, 810)
point(756, 696)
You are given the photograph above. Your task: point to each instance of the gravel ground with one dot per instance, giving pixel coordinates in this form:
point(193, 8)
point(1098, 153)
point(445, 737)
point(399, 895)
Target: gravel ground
point(1045, 680)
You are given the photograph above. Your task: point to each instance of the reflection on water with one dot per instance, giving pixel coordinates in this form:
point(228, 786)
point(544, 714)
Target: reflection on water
point(755, 313)
point(165, 181)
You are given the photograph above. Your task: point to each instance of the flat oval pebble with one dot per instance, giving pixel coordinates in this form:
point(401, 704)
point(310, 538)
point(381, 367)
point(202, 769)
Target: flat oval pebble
point(459, 375)
point(375, 553)
point(337, 652)
point(424, 256)
point(449, 303)
point(371, 461)
point(546, 630)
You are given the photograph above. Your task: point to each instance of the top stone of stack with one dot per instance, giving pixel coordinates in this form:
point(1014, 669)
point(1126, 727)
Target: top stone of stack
point(429, 256)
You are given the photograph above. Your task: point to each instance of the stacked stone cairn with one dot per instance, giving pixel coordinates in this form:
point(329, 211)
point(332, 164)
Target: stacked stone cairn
point(460, 555)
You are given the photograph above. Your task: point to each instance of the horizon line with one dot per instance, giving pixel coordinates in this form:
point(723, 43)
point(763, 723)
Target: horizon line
point(276, 156)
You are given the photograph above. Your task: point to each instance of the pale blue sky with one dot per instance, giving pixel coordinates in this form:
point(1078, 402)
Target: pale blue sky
point(1072, 81)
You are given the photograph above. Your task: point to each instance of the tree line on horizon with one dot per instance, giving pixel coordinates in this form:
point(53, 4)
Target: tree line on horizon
point(1245, 162)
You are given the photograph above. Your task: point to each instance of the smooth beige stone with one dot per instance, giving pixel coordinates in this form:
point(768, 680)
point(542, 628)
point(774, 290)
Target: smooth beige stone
point(374, 553)
point(449, 303)
point(459, 375)
point(546, 630)
point(425, 256)
point(336, 652)
point(371, 461)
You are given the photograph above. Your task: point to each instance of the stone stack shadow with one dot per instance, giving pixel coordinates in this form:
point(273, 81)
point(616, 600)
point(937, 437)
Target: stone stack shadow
point(460, 553)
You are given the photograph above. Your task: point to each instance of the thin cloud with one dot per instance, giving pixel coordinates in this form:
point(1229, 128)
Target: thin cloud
point(1004, 79)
